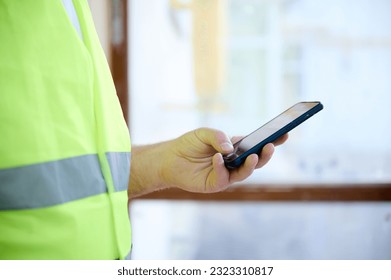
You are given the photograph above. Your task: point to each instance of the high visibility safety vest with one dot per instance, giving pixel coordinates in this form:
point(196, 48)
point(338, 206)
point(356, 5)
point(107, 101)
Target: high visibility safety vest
point(64, 144)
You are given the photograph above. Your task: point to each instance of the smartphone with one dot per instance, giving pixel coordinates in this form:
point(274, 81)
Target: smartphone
point(271, 131)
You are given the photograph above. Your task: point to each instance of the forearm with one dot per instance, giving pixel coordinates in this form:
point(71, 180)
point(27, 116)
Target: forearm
point(146, 169)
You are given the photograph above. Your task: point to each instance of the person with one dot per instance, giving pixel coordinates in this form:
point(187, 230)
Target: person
point(65, 172)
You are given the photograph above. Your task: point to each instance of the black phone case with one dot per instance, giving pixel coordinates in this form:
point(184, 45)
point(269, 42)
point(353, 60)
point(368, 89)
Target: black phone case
point(232, 162)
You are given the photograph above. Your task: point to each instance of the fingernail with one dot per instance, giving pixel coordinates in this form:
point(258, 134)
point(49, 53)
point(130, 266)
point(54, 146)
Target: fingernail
point(227, 147)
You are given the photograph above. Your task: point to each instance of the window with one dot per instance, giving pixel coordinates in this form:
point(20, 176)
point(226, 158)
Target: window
point(235, 64)
point(260, 57)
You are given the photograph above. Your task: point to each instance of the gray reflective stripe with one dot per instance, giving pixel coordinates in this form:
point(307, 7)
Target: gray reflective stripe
point(57, 182)
point(120, 167)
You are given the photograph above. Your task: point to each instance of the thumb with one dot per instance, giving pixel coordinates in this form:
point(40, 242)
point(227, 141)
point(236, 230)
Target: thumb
point(215, 138)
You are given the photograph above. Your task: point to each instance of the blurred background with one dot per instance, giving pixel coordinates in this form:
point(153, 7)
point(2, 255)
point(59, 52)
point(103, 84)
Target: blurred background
point(233, 65)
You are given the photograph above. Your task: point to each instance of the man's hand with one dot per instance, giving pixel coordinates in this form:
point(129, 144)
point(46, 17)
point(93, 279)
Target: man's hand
point(196, 163)
point(192, 162)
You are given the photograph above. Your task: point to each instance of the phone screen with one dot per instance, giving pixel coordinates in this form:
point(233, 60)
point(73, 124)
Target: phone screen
point(275, 128)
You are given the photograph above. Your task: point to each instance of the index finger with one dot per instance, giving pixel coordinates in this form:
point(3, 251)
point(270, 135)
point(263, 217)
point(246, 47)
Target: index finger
point(281, 140)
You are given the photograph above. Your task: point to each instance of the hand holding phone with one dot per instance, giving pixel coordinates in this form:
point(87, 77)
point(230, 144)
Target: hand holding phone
point(271, 131)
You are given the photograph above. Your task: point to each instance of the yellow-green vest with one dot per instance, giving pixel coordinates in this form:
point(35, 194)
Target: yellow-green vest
point(64, 144)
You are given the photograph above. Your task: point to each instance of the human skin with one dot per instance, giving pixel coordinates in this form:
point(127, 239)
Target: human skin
point(192, 162)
